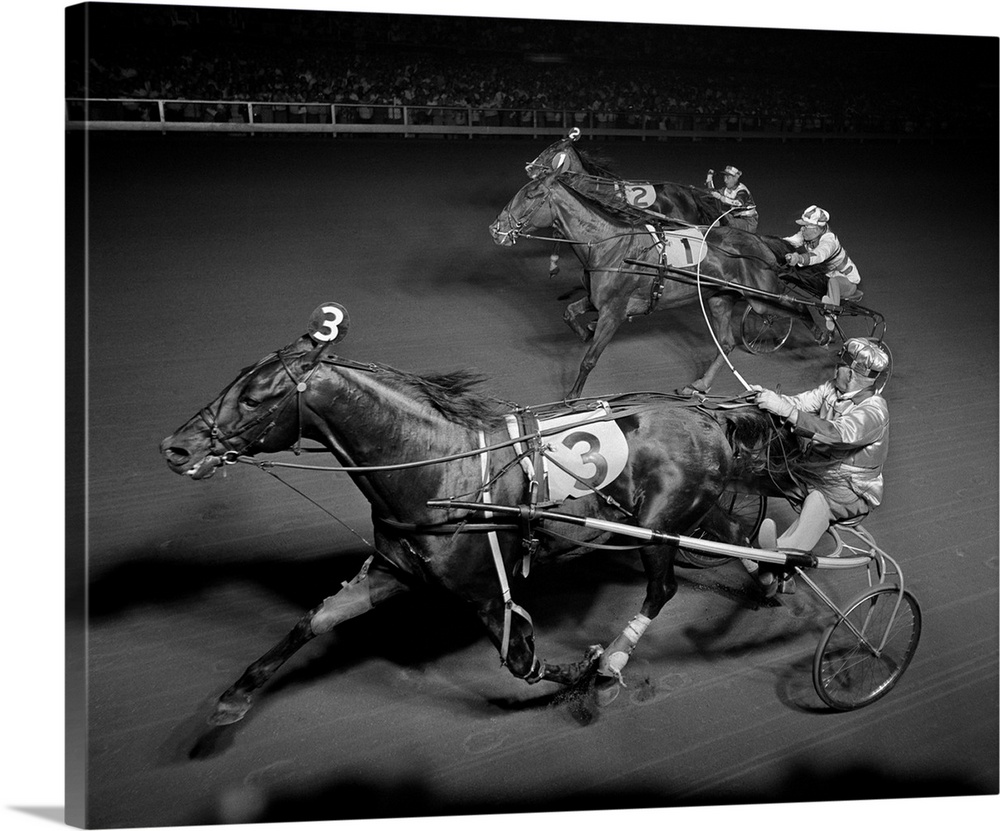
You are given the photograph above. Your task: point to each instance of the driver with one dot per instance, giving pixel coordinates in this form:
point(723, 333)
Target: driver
point(817, 245)
point(845, 415)
point(737, 196)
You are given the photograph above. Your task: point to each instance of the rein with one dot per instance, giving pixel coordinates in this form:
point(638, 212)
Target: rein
point(265, 464)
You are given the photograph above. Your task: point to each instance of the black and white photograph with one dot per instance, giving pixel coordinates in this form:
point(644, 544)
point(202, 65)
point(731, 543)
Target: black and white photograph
point(529, 413)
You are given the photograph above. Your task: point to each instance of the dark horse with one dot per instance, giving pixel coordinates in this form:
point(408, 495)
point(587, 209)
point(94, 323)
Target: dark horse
point(591, 176)
point(406, 440)
point(605, 241)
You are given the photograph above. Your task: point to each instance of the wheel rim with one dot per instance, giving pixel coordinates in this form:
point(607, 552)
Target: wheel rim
point(884, 379)
point(847, 674)
point(764, 333)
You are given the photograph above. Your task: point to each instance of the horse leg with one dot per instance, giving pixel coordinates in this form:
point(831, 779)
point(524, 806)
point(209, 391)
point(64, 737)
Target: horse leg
point(704, 383)
point(575, 311)
point(608, 320)
point(720, 308)
point(371, 586)
point(661, 585)
point(520, 657)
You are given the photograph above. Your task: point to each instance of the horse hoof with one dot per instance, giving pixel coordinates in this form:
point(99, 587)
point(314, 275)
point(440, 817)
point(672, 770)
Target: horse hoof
point(606, 690)
point(581, 332)
point(229, 712)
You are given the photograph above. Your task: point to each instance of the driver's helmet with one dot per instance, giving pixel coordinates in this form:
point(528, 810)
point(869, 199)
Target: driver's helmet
point(814, 217)
point(866, 356)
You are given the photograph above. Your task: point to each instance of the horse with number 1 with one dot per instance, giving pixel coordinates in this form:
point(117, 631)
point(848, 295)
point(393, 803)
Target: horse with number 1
point(647, 460)
point(634, 267)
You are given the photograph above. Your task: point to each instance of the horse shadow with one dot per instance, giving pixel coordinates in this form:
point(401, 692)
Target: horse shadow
point(753, 624)
point(415, 630)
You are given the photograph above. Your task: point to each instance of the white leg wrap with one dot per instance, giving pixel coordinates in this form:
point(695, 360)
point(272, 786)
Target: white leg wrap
point(352, 600)
point(636, 628)
point(616, 656)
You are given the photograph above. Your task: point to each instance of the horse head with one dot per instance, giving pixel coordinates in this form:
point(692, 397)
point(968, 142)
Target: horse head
point(542, 163)
point(255, 413)
point(531, 208)
point(261, 411)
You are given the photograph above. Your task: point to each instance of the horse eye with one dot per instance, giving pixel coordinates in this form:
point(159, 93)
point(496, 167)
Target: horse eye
point(249, 402)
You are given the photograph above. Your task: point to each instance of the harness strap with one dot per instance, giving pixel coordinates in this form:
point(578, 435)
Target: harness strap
point(509, 606)
point(656, 291)
point(532, 460)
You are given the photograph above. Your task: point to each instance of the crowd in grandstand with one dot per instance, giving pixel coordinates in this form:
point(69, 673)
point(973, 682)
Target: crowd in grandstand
point(468, 62)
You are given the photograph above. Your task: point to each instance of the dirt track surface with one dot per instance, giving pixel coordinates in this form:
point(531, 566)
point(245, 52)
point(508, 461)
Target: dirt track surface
point(206, 255)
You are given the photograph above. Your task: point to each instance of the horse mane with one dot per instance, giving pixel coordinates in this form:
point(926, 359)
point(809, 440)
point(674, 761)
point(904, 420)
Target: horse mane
point(614, 213)
point(596, 165)
point(454, 395)
point(771, 459)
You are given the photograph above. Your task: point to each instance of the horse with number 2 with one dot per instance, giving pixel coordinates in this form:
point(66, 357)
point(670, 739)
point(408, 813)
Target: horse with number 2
point(636, 264)
point(468, 492)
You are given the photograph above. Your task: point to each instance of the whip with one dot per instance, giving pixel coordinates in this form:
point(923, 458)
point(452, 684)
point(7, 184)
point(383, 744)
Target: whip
point(701, 302)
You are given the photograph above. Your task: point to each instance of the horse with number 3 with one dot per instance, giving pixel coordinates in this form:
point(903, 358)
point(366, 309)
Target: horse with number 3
point(407, 440)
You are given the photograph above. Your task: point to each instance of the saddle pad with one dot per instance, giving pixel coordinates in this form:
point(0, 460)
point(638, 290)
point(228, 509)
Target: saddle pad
point(637, 194)
point(681, 247)
point(595, 452)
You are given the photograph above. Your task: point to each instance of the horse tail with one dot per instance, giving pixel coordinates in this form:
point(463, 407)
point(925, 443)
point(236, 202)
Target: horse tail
point(777, 246)
point(708, 206)
point(769, 458)
point(748, 430)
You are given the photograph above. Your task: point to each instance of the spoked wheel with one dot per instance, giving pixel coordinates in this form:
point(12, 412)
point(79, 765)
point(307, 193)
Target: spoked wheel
point(746, 508)
point(764, 333)
point(862, 656)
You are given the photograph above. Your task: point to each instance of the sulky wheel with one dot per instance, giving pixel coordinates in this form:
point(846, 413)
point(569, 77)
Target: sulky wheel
point(862, 656)
point(746, 508)
point(764, 333)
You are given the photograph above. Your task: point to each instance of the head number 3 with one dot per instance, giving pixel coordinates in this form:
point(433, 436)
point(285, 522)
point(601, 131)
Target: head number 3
point(329, 323)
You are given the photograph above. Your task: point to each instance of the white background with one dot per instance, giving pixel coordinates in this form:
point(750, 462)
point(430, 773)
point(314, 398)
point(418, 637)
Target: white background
point(32, 431)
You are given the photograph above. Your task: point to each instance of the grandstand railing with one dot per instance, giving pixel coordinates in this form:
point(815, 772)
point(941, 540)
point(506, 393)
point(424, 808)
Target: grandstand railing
point(253, 117)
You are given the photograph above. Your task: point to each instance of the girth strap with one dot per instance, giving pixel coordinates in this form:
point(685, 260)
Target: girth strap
point(509, 606)
point(531, 456)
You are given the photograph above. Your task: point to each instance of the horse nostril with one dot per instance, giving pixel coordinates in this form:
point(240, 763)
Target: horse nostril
point(175, 455)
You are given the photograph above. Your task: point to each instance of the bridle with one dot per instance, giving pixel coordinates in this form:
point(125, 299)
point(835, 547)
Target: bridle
point(516, 226)
point(221, 444)
point(516, 231)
